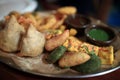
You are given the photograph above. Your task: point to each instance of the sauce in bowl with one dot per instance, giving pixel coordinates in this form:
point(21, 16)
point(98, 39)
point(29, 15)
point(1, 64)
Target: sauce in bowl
point(78, 22)
point(99, 34)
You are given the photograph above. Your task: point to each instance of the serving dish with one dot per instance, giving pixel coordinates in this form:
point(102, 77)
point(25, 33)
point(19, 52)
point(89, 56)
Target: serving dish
point(79, 22)
point(10, 60)
point(100, 35)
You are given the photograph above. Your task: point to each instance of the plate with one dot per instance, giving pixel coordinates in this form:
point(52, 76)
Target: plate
point(10, 60)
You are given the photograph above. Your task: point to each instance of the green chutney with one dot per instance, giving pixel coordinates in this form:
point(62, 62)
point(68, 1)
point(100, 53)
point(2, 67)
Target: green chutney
point(99, 34)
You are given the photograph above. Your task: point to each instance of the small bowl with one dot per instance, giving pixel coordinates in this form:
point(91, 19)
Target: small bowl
point(78, 22)
point(100, 35)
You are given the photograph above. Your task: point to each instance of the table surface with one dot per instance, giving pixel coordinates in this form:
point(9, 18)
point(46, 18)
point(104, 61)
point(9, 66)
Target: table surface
point(7, 73)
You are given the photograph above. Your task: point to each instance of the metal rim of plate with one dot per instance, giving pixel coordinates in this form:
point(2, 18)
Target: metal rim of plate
point(79, 76)
point(64, 76)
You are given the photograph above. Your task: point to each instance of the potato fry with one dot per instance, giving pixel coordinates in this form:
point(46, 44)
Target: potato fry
point(62, 27)
point(73, 32)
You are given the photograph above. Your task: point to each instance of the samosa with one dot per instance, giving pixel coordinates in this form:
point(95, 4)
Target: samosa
point(32, 43)
point(11, 34)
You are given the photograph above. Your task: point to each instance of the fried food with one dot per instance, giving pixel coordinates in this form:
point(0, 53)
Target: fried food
point(10, 35)
point(92, 65)
point(32, 43)
point(48, 23)
point(60, 18)
point(90, 48)
point(72, 59)
point(52, 33)
point(30, 16)
point(106, 55)
point(73, 32)
point(26, 18)
point(68, 10)
point(72, 44)
point(28, 34)
point(26, 21)
point(56, 41)
point(62, 27)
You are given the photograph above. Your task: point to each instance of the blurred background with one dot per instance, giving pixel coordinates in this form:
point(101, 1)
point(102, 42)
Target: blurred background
point(6, 6)
point(107, 11)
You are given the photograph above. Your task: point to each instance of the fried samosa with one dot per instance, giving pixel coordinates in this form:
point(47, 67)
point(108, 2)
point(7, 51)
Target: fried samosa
point(32, 43)
point(10, 35)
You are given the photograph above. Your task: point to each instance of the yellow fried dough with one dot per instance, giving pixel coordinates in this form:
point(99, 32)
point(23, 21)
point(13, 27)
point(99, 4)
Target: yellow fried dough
point(106, 55)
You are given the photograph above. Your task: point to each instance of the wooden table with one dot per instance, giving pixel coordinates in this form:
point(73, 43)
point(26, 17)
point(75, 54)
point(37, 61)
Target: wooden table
point(8, 73)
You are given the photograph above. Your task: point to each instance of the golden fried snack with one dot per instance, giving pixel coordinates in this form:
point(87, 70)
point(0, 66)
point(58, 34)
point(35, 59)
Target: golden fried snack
point(52, 33)
point(56, 41)
point(73, 32)
point(62, 27)
point(49, 22)
point(68, 10)
point(10, 35)
point(72, 59)
point(31, 17)
point(24, 19)
point(33, 43)
point(60, 18)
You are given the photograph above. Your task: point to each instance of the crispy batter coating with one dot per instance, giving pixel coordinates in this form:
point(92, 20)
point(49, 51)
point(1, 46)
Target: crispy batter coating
point(48, 23)
point(72, 59)
point(32, 43)
point(56, 41)
point(60, 18)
